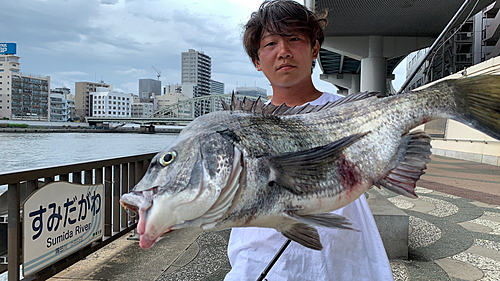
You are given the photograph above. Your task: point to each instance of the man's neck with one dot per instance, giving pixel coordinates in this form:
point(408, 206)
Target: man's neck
point(297, 95)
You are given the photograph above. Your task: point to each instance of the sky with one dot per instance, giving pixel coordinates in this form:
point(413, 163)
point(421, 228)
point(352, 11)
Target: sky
point(119, 41)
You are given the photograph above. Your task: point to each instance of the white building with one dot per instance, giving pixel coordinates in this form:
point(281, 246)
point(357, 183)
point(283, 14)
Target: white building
point(59, 111)
point(106, 103)
point(169, 99)
point(186, 89)
point(141, 109)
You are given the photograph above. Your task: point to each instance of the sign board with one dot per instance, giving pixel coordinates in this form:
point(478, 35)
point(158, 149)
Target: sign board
point(8, 48)
point(59, 219)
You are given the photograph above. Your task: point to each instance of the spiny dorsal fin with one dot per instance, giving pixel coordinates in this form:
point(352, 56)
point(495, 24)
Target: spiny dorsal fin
point(403, 178)
point(260, 107)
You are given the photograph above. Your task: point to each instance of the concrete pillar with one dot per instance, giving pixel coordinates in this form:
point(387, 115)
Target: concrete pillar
point(374, 68)
point(354, 84)
point(348, 81)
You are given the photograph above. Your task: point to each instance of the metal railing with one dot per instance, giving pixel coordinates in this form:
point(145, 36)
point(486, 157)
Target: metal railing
point(118, 175)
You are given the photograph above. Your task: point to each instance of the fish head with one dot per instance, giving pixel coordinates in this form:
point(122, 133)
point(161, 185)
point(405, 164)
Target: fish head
point(181, 184)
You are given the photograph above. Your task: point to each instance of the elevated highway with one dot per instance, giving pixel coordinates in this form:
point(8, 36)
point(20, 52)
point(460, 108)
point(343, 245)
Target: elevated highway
point(366, 39)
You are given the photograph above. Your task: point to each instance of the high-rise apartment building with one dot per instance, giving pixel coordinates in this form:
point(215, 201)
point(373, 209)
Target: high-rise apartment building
point(149, 87)
point(83, 100)
point(216, 87)
point(22, 96)
point(197, 69)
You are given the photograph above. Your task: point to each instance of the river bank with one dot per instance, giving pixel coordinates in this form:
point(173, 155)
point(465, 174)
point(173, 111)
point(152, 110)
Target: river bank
point(15, 126)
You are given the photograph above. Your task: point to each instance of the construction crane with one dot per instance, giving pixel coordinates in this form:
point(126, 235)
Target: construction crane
point(158, 72)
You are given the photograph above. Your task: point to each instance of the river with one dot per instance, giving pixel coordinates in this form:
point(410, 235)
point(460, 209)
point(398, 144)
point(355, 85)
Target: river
point(33, 150)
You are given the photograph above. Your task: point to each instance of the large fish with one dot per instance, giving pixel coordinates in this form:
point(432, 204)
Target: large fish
point(283, 168)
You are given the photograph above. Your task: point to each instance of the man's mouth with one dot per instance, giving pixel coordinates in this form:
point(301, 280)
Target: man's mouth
point(285, 67)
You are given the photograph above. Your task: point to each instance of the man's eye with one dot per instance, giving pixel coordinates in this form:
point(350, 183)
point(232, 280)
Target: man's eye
point(294, 39)
point(270, 44)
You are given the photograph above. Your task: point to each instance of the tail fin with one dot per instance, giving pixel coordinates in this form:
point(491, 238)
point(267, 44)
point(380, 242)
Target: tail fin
point(480, 98)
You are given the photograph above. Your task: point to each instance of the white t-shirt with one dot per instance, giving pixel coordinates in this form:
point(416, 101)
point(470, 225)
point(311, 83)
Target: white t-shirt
point(346, 254)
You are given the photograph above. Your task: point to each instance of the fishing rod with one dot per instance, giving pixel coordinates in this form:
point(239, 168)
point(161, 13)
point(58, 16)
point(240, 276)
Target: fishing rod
point(433, 46)
point(274, 260)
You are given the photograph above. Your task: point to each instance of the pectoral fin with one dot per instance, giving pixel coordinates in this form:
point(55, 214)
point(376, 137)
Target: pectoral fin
point(329, 220)
point(298, 171)
point(303, 234)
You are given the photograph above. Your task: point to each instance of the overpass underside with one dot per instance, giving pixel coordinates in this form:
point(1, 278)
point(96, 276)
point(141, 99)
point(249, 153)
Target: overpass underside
point(366, 39)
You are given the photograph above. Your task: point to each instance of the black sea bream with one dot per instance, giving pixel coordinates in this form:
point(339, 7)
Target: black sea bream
point(283, 168)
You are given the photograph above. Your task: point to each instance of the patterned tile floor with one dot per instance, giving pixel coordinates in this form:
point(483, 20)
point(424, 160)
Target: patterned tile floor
point(454, 229)
point(454, 235)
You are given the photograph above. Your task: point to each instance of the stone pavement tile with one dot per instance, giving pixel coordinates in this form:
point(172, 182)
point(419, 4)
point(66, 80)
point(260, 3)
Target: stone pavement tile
point(459, 269)
point(480, 176)
point(443, 208)
point(481, 251)
point(211, 262)
point(186, 257)
point(490, 267)
point(484, 205)
point(422, 206)
point(476, 227)
point(124, 260)
point(474, 185)
point(491, 216)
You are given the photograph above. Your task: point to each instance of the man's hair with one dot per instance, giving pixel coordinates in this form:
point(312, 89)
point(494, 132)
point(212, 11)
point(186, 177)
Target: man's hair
point(285, 18)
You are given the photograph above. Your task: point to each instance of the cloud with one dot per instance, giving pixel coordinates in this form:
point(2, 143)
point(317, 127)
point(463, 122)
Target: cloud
point(108, 2)
point(71, 73)
point(118, 41)
point(132, 71)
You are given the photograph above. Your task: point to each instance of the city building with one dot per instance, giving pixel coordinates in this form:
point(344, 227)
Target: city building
point(216, 87)
point(473, 42)
point(22, 96)
point(473, 48)
point(83, 100)
point(107, 103)
point(252, 92)
point(151, 100)
point(186, 89)
point(141, 109)
point(149, 87)
point(60, 107)
point(168, 99)
point(197, 68)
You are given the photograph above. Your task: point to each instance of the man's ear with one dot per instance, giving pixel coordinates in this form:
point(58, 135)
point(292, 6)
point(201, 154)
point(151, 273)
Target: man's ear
point(315, 50)
point(257, 64)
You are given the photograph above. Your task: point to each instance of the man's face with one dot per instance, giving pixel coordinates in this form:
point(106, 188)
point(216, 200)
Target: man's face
point(286, 60)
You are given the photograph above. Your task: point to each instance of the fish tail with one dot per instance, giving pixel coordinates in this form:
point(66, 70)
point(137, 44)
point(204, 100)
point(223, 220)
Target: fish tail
point(478, 99)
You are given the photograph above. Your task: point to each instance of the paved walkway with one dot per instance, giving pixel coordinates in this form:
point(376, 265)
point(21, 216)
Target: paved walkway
point(454, 235)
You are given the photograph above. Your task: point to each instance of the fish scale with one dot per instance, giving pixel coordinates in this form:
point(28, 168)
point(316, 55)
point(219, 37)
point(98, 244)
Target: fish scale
point(288, 168)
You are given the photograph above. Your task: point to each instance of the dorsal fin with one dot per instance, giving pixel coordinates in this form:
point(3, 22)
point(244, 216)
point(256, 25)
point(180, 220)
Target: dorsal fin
point(260, 107)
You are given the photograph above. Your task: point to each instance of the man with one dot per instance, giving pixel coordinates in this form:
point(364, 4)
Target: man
point(283, 39)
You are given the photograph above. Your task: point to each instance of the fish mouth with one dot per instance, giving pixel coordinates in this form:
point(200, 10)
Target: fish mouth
point(140, 202)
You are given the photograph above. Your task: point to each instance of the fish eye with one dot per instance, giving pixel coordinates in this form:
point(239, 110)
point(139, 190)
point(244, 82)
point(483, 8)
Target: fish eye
point(167, 158)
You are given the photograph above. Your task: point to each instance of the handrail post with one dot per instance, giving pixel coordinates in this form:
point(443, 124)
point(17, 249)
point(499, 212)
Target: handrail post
point(14, 231)
point(107, 200)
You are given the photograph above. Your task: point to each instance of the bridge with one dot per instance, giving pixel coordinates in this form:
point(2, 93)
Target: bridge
point(177, 114)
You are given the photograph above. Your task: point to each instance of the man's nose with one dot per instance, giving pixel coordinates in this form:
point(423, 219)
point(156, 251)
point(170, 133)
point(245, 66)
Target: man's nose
point(284, 50)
